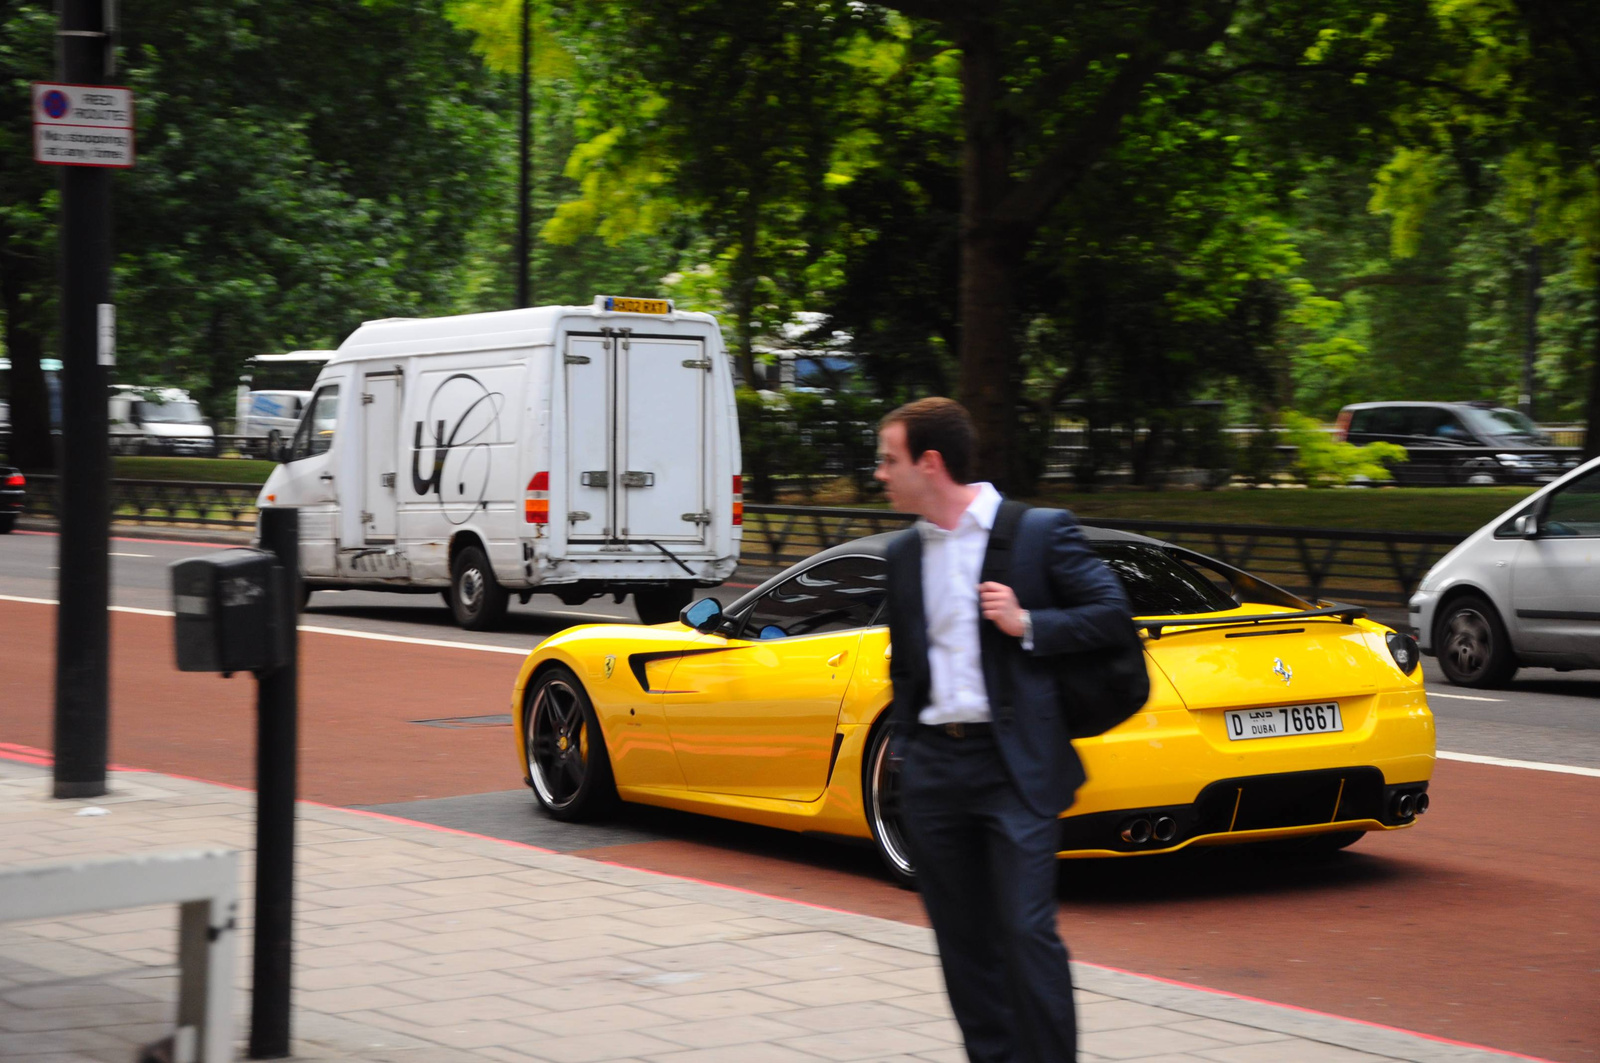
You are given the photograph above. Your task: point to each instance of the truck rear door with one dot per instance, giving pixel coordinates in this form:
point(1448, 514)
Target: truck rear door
point(661, 439)
point(636, 408)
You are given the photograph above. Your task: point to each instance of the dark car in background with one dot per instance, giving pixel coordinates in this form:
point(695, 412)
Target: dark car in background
point(1473, 443)
point(12, 493)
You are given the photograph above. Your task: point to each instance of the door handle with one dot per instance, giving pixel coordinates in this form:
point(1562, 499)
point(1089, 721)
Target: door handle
point(326, 476)
point(837, 659)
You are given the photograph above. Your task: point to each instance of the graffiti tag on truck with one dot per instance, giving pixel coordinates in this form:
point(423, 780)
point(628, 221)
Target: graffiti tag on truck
point(462, 454)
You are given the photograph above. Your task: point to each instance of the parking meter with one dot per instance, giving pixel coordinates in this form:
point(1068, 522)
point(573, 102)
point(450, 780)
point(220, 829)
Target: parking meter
point(231, 614)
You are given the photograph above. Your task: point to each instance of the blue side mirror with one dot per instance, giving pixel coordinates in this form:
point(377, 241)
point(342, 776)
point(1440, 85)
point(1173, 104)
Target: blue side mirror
point(702, 615)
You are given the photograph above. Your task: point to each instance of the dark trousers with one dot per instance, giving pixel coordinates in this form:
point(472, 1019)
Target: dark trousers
point(986, 869)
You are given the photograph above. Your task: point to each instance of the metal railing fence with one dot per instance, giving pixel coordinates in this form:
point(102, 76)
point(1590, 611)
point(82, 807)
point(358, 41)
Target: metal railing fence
point(1356, 565)
point(195, 502)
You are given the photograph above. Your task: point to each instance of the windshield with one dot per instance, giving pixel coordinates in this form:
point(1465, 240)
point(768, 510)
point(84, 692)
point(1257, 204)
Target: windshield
point(168, 412)
point(1158, 584)
point(1501, 423)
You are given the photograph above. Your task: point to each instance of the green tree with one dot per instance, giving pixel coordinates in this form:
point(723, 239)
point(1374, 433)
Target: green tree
point(27, 230)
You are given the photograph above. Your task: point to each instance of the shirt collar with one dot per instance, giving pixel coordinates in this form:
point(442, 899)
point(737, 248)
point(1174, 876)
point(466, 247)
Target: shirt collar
point(981, 512)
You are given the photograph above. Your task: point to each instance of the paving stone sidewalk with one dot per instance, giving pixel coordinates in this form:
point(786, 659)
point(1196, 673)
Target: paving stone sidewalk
point(417, 944)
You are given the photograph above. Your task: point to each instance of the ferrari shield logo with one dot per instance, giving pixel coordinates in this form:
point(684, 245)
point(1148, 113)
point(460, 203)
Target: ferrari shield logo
point(1280, 669)
point(611, 664)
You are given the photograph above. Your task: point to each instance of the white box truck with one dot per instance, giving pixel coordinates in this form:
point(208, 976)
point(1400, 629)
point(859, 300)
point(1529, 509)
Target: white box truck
point(577, 450)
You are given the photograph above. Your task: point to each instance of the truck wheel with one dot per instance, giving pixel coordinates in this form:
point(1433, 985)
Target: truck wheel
point(661, 605)
point(274, 444)
point(476, 597)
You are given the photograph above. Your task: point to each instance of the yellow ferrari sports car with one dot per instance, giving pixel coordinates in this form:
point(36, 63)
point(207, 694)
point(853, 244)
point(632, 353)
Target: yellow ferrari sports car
point(1270, 718)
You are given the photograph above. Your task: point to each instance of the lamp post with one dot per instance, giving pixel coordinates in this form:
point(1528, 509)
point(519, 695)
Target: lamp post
point(522, 154)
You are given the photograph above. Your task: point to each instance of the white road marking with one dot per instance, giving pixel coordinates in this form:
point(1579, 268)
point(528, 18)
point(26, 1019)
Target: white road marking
point(1461, 697)
point(371, 635)
point(1533, 765)
point(1469, 758)
point(409, 641)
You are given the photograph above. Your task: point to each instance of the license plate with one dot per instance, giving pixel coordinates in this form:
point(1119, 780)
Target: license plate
point(1283, 721)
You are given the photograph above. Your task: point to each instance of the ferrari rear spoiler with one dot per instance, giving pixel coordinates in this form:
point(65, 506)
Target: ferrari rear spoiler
point(1347, 614)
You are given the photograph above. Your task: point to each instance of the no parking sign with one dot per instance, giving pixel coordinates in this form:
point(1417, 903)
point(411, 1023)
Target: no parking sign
point(82, 125)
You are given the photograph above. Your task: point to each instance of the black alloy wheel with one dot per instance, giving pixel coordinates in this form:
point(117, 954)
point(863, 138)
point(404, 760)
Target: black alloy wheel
point(1473, 648)
point(661, 605)
point(880, 791)
point(566, 752)
point(476, 597)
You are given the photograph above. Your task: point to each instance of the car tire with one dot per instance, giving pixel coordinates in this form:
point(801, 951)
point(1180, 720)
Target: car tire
point(565, 750)
point(1477, 472)
point(305, 595)
point(661, 605)
point(1472, 645)
point(7, 522)
point(476, 597)
point(880, 799)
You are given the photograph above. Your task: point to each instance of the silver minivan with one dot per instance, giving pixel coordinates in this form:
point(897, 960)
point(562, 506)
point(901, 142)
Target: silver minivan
point(1522, 590)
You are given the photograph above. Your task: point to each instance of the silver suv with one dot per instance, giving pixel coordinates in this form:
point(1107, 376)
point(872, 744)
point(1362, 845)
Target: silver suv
point(1522, 590)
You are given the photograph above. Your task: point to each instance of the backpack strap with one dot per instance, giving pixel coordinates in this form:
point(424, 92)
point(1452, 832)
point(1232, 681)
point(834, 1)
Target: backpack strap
point(996, 568)
point(997, 558)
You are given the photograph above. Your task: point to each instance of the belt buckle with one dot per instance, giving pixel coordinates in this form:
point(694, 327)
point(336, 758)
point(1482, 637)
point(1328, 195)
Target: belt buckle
point(955, 730)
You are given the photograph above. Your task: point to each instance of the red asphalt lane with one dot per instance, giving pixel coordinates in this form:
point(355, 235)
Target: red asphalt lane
point(1480, 925)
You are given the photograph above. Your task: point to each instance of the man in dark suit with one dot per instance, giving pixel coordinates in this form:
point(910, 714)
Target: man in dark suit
point(988, 764)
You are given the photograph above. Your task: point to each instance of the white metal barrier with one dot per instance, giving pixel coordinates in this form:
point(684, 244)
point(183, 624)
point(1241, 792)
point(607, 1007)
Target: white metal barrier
point(204, 883)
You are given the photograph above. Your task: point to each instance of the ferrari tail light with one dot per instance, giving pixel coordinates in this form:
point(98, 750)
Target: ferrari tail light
point(738, 499)
point(1404, 650)
point(536, 506)
point(16, 480)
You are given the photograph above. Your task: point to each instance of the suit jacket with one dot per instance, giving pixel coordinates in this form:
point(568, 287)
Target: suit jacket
point(1073, 598)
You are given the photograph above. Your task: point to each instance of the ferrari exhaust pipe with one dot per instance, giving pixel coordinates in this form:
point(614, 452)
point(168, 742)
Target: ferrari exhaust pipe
point(1422, 803)
point(1405, 805)
point(1137, 831)
point(1165, 829)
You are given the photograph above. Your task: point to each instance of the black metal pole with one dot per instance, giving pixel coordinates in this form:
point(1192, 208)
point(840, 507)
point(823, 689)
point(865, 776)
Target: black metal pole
point(83, 632)
point(1530, 329)
point(522, 157)
point(277, 740)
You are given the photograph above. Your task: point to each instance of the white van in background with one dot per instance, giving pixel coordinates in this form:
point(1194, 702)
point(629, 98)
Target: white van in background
point(265, 420)
point(273, 390)
point(579, 450)
point(154, 420)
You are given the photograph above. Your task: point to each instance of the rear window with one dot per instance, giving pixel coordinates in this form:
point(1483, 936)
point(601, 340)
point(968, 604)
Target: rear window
point(1158, 584)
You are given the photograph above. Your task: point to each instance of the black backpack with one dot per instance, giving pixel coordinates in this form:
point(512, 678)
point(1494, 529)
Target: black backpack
point(1098, 688)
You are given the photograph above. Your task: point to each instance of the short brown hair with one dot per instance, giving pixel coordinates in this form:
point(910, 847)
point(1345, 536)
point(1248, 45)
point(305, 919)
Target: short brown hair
point(938, 424)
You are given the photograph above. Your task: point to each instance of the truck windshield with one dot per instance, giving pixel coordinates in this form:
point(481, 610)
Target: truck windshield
point(168, 412)
point(1502, 423)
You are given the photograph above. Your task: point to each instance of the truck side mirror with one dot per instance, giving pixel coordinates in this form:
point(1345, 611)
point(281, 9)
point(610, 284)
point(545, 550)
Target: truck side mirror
point(230, 612)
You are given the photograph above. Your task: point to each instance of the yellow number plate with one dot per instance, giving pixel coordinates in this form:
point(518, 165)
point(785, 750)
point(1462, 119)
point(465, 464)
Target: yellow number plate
point(639, 306)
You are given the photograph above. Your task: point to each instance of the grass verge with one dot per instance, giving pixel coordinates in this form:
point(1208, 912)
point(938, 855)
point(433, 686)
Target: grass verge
point(209, 470)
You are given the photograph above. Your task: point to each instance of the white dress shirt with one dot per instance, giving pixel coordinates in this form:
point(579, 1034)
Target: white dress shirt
point(951, 564)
